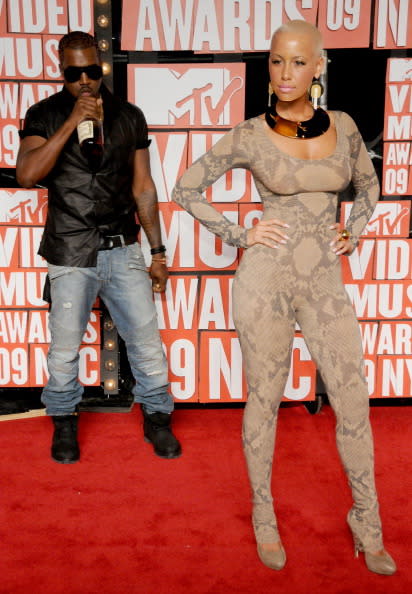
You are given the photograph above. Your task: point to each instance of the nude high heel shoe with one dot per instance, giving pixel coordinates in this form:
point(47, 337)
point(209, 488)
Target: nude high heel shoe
point(272, 559)
point(380, 562)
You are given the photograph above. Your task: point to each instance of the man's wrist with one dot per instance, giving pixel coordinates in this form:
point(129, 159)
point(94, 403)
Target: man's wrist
point(161, 249)
point(159, 259)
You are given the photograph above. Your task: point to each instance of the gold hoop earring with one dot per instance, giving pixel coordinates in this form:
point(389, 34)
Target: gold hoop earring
point(316, 91)
point(270, 91)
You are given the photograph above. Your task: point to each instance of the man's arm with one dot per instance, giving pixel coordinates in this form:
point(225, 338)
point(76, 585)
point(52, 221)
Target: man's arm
point(37, 155)
point(145, 195)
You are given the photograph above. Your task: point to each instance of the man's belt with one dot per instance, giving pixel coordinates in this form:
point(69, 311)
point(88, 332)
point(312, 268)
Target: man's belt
point(108, 242)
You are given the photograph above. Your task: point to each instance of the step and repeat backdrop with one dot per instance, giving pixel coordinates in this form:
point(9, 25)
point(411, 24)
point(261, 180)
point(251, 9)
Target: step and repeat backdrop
point(189, 106)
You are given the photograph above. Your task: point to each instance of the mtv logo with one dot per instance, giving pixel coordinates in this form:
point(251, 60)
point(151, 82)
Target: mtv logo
point(389, 219)
point(400, 70)
point(22, 206)
point(188, 96)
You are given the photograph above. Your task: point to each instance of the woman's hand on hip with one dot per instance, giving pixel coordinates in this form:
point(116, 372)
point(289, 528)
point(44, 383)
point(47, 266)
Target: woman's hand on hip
point(340, 246)
point(270, 233)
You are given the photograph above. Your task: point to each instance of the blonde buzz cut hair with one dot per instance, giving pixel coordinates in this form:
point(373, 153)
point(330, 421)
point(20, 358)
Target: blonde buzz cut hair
point(303, 28)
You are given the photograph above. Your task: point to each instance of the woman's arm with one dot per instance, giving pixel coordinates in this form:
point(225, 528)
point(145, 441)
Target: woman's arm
point(365, 182)
point(228, 153)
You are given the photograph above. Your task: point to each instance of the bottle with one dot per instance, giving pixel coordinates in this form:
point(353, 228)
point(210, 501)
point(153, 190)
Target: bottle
point(91, 140)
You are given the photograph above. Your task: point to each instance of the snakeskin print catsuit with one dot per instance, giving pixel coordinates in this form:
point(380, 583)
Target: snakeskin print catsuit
point(299, 282)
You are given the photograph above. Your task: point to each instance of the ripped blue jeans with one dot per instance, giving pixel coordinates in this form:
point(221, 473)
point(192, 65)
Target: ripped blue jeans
point(121, 280)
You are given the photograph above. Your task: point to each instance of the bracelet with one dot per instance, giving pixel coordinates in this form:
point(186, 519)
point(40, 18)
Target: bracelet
point(161, 260)
point(344, 235)
point(158, 250)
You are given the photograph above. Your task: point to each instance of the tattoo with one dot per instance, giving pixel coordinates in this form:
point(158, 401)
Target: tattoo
point(148, 213)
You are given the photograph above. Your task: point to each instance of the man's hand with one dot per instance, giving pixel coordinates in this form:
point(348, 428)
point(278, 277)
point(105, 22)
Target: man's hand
point(159, 275)
point(85, 107)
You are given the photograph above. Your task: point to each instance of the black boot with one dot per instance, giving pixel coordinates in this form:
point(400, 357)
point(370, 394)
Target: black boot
point(65, 448)
point(158, 432)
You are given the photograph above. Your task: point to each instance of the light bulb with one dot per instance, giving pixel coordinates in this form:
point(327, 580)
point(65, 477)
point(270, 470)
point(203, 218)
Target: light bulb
point(103, 20)
point(103, 45)
point(106, 68)
point(109, 385)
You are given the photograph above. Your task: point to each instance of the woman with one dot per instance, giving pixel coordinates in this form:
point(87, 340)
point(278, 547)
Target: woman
point(300, 158)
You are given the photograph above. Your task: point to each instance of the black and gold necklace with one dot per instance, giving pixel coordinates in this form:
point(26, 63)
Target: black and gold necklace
point(317, 125)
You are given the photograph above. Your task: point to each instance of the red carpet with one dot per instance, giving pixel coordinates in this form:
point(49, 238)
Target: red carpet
point(124, 521)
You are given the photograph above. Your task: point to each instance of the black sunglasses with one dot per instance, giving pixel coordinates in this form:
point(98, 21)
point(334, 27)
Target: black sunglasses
point(73, 73)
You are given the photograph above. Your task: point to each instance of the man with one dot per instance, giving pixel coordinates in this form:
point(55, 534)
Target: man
point(90, 243)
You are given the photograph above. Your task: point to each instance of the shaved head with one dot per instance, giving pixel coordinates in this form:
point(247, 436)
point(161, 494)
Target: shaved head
point(299, 27)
